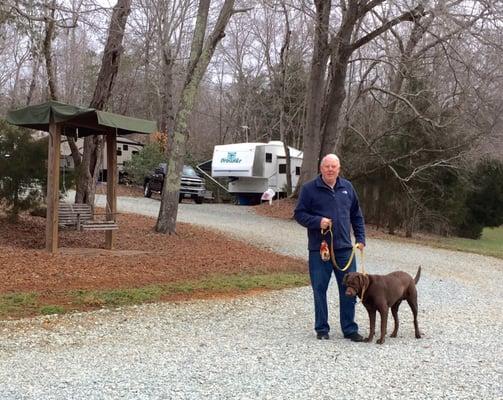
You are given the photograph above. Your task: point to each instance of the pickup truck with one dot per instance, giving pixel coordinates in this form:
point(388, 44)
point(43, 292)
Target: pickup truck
point(192, 186)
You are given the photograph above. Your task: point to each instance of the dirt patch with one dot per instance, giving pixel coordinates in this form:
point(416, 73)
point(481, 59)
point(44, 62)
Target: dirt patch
point(282, 208)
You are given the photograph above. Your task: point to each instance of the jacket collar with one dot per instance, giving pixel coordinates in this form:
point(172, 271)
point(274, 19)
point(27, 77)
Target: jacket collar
point(320, 183)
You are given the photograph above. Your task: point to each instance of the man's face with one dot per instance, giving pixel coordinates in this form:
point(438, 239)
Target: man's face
point(329, 169)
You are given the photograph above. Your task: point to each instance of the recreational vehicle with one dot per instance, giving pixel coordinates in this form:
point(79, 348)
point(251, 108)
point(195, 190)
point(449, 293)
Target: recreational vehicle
point(253, 168)
point(125, 150)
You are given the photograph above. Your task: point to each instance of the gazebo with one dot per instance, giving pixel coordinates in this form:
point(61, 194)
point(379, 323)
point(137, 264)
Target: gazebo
point(65, 119)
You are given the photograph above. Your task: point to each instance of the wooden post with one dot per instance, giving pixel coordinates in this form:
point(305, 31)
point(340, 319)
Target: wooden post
point(111, 208)
point(51, 222)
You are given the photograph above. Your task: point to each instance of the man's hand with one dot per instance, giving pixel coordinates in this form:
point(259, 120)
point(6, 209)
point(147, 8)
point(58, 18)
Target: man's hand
point(360, 246)
point(325, 223)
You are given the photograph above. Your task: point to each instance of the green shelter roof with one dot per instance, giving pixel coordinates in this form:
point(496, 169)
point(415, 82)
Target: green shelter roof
point(88, 121)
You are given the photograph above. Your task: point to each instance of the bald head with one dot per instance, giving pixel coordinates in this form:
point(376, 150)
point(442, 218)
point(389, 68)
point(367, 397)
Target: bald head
point(329, 158)
point(329, 168)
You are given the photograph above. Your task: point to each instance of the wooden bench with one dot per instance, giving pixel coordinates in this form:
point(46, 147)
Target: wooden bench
point(81, 217)
point(74, 215)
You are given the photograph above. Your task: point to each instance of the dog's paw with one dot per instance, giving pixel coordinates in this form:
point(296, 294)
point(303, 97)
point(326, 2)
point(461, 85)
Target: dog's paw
point(380, 341)
point(393, 335)
point(418, 336)
point(367, 340)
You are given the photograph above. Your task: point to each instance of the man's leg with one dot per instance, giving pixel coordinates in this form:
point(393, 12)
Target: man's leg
point(346, 303)
point(320, 272)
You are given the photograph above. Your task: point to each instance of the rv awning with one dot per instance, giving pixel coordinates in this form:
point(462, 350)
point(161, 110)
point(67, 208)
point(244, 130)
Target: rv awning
point(88, 121)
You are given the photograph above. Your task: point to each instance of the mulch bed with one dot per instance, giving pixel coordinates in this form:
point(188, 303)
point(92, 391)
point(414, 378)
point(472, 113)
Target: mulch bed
point(282, 208)
point(142, 257)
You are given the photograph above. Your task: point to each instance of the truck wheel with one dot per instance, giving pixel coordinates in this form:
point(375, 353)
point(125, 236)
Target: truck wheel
point(199, 200)
point(146, 190)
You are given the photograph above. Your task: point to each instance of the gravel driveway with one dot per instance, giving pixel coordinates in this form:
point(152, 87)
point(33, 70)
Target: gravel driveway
point(263, 346)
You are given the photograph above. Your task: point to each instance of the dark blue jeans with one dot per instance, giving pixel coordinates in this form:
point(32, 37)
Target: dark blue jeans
point(320, 272)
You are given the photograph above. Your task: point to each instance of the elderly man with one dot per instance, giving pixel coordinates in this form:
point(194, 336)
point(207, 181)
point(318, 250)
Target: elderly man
point(330, 201)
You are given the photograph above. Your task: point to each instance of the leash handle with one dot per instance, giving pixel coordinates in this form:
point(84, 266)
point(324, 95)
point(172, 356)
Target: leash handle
point(332, 254)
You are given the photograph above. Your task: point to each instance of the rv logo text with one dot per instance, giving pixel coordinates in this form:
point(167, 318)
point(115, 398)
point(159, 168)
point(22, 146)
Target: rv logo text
point(231, 158)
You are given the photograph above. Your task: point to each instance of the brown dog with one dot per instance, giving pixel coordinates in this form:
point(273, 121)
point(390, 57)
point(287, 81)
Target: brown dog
point(380, 292)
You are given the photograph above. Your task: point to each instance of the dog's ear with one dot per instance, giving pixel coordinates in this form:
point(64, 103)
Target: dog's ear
point(361, 283)
point(348, 278)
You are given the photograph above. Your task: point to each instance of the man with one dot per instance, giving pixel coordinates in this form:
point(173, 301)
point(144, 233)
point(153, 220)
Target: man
point(330, 201)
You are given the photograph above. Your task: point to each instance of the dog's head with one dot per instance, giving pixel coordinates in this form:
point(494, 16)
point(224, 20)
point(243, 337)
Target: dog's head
point(354, 282)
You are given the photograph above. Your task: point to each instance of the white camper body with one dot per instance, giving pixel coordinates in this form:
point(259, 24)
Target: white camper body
point(125, 150)
point(252, 168)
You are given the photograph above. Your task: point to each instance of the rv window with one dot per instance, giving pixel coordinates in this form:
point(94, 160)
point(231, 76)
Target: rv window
point(282, 168)
point(297, 171)
point(125, 147)
point(268, 157)
point(134, 152)
point(119, 152)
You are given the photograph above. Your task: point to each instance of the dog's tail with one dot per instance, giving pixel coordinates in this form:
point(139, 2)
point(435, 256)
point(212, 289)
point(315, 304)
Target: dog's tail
point(418, 275)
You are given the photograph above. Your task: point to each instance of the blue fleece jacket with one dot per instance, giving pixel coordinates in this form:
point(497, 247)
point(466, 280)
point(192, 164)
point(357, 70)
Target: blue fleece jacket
point(340, 204)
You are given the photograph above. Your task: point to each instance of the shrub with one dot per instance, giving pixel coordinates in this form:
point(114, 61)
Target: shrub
point(484, 202)
point(143, 163)
point(23, 169)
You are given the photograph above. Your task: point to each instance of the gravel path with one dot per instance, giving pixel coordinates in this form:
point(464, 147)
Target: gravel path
point(263, 347)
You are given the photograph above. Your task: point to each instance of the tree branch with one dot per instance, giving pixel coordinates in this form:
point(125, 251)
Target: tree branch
point(409, 104)
point(198, 38)
point(410, 16)
point(404, 180)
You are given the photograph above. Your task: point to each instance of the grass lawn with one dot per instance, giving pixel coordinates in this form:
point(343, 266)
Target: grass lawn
point(490, 244)
point(17, 305)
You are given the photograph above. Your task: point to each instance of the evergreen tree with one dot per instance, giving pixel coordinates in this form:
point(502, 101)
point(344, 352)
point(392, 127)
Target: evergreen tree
point(23, 169)
point(484, 202)
point(144, 162)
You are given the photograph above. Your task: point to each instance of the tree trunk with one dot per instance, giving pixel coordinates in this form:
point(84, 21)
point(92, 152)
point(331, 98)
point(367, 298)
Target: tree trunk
point(200, 57)
point(88, 170)
point(340, 52)
point(167, 120)
point(283, 131)
point(315, 92)
point(33, 82)
point(93, 145)
point(47, 46)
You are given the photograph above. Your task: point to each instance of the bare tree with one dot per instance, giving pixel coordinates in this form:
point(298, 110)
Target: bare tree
point(200, 55)
point(284, 58)
point(315, 90)
point(418, 132)
point(171, 19)
point(404, 103)
point(324, 102)
point(49, 33)
point(89, 164)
